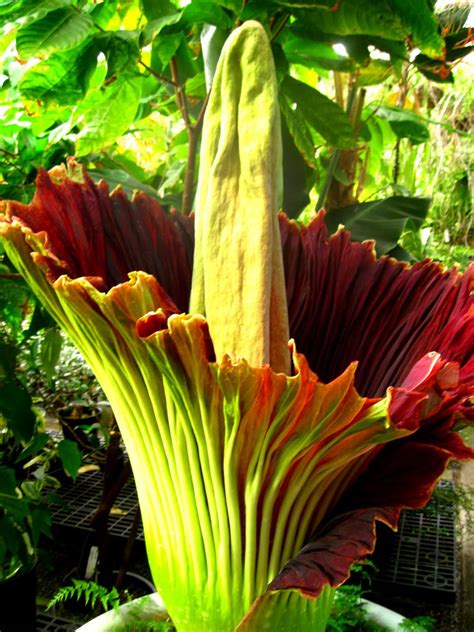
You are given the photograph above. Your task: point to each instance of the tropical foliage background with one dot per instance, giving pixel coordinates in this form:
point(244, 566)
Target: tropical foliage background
point(376, 104)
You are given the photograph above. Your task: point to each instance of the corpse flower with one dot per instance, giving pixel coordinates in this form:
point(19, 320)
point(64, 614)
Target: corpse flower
point(261, 466)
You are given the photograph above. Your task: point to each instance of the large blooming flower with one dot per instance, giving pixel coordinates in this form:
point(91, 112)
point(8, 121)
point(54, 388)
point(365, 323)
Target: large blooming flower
point(259, 483)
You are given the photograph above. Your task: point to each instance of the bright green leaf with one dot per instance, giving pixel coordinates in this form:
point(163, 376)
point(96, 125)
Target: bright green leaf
point(154, 10)
point(233, 5)
point(61, 29)
point(155, 27)
point(202, 12)
point(62, 78)
point(166, 46)
point(108, 113)
point(14, 299)
point(28, 11)
point(186, 62)
point(102, 13)
point(196, 86)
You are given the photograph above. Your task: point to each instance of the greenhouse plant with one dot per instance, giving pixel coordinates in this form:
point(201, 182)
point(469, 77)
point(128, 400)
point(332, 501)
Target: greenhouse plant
point(278, 389)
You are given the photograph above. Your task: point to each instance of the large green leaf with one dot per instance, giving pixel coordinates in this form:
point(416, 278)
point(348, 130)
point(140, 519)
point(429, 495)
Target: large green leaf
point(186, 62)
point(309, 4)
point(327, 118)
point(295, 171)
point(154, 27)
point(202, 12)
point(154, 10)
point(102, 13)
point(108, 112)
point(392, 19)
point(9, 6)
point(405, 123)
point(63, 78)
point(356, 17)
point(120, 49)
point(61, 29)
point(299, 131)
point(377, 71)
point(420, 24)
point(382, 220)
point(50, 349)
point(306, 51)
point(165, 46)
point(70, 456)
point(26, 11)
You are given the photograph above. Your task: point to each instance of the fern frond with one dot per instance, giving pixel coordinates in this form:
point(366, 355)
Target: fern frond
point(92, 593)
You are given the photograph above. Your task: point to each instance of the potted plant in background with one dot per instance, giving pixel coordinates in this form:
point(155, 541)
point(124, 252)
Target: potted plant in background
point(259, 483)
point(17, 554)
point(27, 453)
point(27, 488)
point(79, 421)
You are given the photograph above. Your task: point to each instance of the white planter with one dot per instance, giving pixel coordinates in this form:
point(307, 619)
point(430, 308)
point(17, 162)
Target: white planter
point(383, 616)
point(143, 609)
point(151, 608)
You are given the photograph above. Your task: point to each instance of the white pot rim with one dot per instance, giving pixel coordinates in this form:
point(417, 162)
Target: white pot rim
point(383, 616)
point(147, 608)
point(152, 608)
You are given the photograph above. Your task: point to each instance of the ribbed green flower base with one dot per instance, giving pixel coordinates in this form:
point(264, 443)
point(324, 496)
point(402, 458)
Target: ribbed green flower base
point(288, 611)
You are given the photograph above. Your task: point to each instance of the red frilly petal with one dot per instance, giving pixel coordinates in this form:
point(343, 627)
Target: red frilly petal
point(91, 233)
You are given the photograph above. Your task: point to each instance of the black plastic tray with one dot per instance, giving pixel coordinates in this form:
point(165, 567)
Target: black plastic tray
point(420, 559)
point(81, 500)
point(46, 622)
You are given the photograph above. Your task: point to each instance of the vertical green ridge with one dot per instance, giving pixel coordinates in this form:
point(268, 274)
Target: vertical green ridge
point(289, 611)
